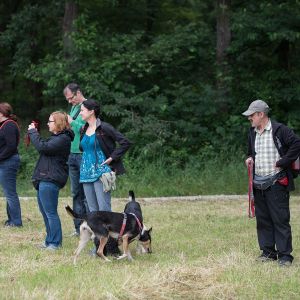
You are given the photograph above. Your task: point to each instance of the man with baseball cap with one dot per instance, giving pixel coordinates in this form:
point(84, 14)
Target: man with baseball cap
point(272, 148)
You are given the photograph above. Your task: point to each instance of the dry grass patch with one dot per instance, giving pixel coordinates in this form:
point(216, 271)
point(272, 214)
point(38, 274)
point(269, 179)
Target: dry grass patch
point(187, 282)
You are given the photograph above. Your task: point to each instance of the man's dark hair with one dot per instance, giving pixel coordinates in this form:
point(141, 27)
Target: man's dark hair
point(73, 87)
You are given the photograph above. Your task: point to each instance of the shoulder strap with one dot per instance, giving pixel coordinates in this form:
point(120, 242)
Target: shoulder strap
point(278, 142)
point(10, 120)
point(77, 114)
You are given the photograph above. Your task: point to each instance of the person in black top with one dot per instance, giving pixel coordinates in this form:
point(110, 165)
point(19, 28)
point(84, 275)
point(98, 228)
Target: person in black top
point(272, 148)
point(103, 148)
point(51, 173)
point(9, 163)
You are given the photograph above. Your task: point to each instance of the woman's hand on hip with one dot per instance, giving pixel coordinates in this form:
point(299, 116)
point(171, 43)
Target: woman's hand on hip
point(107, 162)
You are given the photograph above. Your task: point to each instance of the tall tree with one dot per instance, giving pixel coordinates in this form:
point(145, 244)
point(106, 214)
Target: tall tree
point(68, 26)
point(223, 42)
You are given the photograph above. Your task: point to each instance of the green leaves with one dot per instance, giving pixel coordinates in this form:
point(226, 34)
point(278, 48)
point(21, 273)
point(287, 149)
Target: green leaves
point(153, 68)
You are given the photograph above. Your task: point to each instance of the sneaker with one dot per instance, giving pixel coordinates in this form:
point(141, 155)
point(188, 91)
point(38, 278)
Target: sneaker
point(75, 233)
point(265, 258)
point(43, 246)
point(10, 224)
point(93, 252)
point(51, 247)
point(284, 263)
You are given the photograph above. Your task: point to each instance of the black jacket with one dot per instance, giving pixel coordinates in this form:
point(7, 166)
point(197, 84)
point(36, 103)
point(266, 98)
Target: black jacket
point(9, 139)
point(54, 152)
point(107, 137)
point(287, 144)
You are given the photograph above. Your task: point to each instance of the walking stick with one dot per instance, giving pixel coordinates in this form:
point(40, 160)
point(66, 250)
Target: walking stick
point(251, 207)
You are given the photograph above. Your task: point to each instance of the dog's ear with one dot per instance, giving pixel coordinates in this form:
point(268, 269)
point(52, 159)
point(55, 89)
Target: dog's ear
point(150, 230)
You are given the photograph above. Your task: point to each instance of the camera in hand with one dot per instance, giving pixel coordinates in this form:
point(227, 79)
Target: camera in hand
point(36, 124)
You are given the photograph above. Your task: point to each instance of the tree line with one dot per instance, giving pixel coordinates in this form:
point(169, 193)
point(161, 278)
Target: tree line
point(172, 75)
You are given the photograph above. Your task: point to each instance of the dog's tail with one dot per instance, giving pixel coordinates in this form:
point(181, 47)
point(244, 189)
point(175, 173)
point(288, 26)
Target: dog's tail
point(131, 196)
point(72, 213)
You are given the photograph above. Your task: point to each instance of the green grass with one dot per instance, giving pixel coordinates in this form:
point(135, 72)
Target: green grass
point(201, 250)
point(157, 179)
point(199, 176)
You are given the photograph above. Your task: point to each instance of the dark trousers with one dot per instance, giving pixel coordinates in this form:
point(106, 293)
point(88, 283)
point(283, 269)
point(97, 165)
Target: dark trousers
point(273, 221)
point(79, 202)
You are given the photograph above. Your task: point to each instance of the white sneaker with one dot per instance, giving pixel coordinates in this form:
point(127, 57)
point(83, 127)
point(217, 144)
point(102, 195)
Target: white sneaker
point(75, 233)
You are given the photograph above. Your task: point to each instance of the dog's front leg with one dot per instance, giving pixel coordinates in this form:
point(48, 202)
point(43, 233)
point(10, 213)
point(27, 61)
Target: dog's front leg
point(103, 240)
point(126, 252)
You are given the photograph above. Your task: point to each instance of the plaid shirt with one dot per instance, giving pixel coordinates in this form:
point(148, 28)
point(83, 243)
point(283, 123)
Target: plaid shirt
point(266, 152)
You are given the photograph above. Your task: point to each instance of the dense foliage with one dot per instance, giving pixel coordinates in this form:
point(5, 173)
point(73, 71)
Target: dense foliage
point(152, 65)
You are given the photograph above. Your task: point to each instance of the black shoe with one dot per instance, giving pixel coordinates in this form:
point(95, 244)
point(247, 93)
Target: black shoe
point(284, 263)
point(266, 258)
point(10, 224)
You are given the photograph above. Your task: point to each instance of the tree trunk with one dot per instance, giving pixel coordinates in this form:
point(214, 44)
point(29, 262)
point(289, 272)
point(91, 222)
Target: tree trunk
point(223, 29)
point(223, 41)
point(150, 15)
point(68, 26)
point(283, 54)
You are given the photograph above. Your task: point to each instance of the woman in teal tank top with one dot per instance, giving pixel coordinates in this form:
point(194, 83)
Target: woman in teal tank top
point(97, 158)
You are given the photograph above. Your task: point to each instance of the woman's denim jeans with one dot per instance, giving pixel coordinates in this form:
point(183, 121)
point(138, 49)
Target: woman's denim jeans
point(96, 198)
point(48, 200)
point(8, 175)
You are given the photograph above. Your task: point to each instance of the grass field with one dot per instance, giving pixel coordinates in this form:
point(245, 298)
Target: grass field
point(201, 250)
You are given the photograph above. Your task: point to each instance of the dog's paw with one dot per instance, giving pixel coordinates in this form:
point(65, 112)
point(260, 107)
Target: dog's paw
point(122, 256)
point(107, 260)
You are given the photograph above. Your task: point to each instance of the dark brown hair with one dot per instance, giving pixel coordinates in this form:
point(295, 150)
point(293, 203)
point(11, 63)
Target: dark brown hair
point(91, 104)
point(6, 110)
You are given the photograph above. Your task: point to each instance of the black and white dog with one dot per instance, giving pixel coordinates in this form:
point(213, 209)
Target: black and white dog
point(125, 227)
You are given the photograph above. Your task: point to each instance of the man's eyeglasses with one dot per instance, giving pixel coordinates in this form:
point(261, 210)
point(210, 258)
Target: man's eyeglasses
point(71, 98)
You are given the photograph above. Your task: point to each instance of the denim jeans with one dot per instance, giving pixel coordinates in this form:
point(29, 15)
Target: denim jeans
point(8, 180)
point(48, 200)
point(80, 205)
point(97, 199)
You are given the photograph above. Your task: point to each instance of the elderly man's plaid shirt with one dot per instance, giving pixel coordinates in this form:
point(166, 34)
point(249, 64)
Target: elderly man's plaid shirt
point(266, 152)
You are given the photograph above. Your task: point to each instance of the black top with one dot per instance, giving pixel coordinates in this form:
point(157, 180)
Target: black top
point(9, 139)
point(287, 144)
point(113, 143)
point(54, 152)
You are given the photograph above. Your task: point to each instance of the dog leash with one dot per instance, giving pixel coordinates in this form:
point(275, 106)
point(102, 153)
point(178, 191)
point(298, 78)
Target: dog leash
point(138, 221)
point(251, 207)
point(123, 225)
